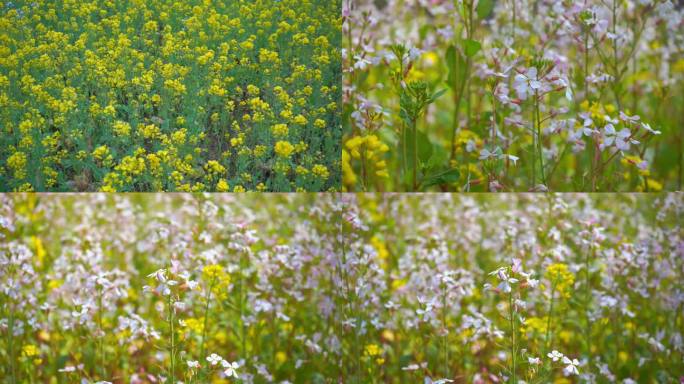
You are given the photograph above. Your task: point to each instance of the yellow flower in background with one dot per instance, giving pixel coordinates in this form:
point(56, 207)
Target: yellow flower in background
point(284, 149)
point(204, 80)
point(561, 278)
point(372, 350)
point(30, 350)
point(214, 168)
point(321, 171)
point(213, 271)
point(319, 123)
point(121, 128)
point(222, 186)
point(17, 163)
point(280, 130)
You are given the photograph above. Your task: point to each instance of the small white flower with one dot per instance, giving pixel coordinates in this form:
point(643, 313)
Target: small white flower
point(470, 146)
point(411, 367)
point(620, 139)
point(485, 154)
point(214, 359)
point(512, 158)
point(555, 355)
point(587, 124)
point(526, 84)
point(647, 127)
point(629, 119)
point(230, 368)
point(193, 364)
point(571, 366)
point(534, 360)
point(361, 63)
point(159, 274)
point(414, 53)
point(506, 281)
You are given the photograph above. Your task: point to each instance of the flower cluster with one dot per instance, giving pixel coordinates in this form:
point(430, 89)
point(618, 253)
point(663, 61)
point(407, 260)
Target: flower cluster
point(169, 95)
point(510, 288)
point(102, 288)
point(521, 95)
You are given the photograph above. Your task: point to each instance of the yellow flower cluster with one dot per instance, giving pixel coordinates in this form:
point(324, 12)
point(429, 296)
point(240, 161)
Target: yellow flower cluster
point(284, 149)
point(218, 280)
point(166, 96)
point(367, 151)
point(561, 278)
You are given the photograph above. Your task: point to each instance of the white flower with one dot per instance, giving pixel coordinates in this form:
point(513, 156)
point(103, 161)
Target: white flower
point(485, 154)
point(230, 368)
point(512, 158)
point(647, 127)
point(193, 364)
point(586, 129)
point(159, 274)
point(214, 359)
point(555, 355)
point(571, 367)
point(534, 360)
point(427, 312)
point(414, 53)
point(361, 63)
point(621, 139)
point(410, 367)
point(506, 281)
point(629, 119)
point(526, 84)
point(470, 146)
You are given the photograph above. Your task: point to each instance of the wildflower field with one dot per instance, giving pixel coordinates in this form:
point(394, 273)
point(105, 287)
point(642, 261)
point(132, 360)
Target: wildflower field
point(513, 95)
point(517, 288)
point(152, 288)
point(165, 95)
point(145, 288)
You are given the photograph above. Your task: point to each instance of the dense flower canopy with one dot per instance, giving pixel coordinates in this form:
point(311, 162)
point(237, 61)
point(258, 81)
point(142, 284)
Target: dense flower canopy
point(323, 288)
point(515, 95)
point(170, 95)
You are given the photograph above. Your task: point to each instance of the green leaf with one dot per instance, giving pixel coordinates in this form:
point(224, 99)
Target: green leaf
point(436, 95)
point(472, 47)
point(424, 147)
point(440, 156)
point(457, 67)
point(484, 8)
point(446, 177)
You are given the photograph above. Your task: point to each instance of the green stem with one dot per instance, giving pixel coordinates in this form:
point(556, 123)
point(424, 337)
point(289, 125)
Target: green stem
point(415, 155)
point(534, 152)
point(403, 143)
point(243, 327)
point(206, 319)
point(10, 336)
point(587, 298)
point(539, 136)
point(101, 336)
point(513, 343)
point(172, 373)
point(547, 338)
point(444, 338)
